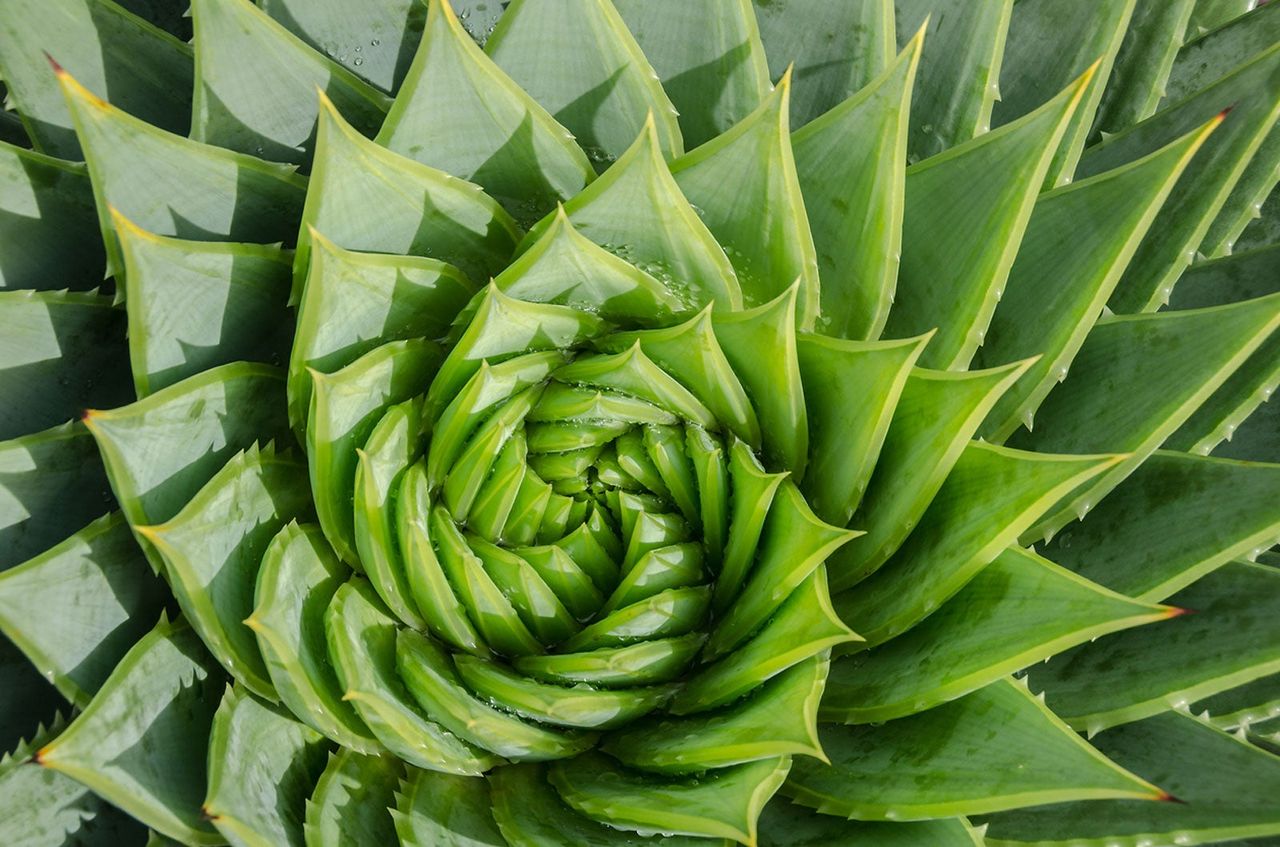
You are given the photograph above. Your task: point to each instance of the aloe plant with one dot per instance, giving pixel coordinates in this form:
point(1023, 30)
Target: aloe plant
point(615, 423)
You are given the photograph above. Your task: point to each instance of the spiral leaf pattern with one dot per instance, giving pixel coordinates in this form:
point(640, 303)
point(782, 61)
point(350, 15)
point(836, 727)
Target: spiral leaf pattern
point(582, 422)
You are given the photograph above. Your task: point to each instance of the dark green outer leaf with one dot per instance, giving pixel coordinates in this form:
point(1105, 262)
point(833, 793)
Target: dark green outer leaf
point(59, 353)
point(374, 39)
point(1142, 65)
point(1049, 44)
point(836, 48)
point(715, 75)
point(171, 185)
point(106, 596)
point(143, 741)
point(119, 57)
point(1252, 93)
point(1177, 518)
point(1136, 379)
point(53, 483)
point(256, 85)
point(1020, 609)
point(947, 761)
point(1226, 786)
point(1231, 637)
point(959, 72)
point(48, 228)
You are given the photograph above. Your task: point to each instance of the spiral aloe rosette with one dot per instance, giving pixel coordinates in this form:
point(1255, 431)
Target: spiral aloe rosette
point(554, 432)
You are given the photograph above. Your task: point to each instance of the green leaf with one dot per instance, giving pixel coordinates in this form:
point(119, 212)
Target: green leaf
point(142, 743)
point(52, 483)
point(352, 801)
point(353, 302)
point(1049, 44)
point(789, 825)
point(48, 228)
point(365, 197)
point(267, 106)
point(933, 421)
point(1231, 637)
point(577, 58)
point(430, 677)
point(459, 112)
point(743, 185)
point(120, 57)
point(194, 305)
point(793, 544)
point(1228, 280)
point(171, 185)
point(361, 636)
point(443, 810)
point(778, 719)
point(1086, 232)
point(1201, 62)
point(1152, 536)
point(162, 449)
point(262, 766)
point(845, 439)
point(393, 446)
point(805, 626)
point(60, 352)
point(851, 164)
point(530, 813)
point(723, 803)
point(212, 550)
point(1142, 64)
point(715, 75)
point(500, 328)
point(1020, 609)
point(636, 211)
point(835, 48)
point(1226, 788)
point(433, 597)
point(959, 72)
point(345, 407)
point(631, 372)
point(580, 706)
point(1209, 15)
point(374, 40)
point(645, 663)
point(1265, 229)
point(26, 697)
point(942, 762)
point(966, 213)
point(295, 585)
point(1137, 379)
point(103, 596)
point(43, 808)
point(1253, 702)
point(1258, 439)
point(691, 353)
point(566, 268)
point(991, 496)
point(761, 346)
point(1250, 93)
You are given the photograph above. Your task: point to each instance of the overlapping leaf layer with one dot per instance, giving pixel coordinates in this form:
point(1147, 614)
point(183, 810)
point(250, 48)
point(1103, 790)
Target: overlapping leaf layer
point(618, 423)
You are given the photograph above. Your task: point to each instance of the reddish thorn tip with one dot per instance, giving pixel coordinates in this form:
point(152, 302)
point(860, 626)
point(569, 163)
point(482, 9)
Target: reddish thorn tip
point(1178, 611)
point(1166, 797)
point(1223, 114)
point(53, 63)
